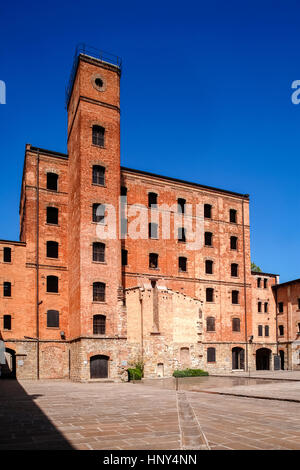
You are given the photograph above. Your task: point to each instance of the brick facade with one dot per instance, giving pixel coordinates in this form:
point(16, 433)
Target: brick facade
point(161, 314)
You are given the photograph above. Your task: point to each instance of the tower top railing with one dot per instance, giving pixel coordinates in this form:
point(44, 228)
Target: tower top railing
point(95, 54)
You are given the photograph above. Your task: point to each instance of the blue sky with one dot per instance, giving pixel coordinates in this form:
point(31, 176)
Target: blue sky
point(205, 96)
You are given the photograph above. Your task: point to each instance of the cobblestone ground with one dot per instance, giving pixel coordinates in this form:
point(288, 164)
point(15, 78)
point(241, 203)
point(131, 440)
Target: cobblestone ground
point(66, 415)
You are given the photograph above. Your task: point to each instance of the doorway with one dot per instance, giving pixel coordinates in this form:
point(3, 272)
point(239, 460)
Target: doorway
point(238, 358)
point(99, 367)
point(8, 370)
point(263, 356)
point(281, 354)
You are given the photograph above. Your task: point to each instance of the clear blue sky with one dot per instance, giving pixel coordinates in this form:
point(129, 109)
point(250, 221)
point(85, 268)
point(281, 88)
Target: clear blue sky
point(205, 96)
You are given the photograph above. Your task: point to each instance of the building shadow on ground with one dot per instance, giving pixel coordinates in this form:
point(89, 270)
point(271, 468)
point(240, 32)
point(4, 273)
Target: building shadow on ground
point(23, 425)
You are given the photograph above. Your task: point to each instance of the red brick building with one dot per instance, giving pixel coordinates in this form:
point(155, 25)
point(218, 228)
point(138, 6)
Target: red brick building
point(81, 303)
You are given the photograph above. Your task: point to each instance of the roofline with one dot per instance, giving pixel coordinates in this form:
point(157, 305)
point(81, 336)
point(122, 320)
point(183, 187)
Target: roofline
point(198, 185)
point(294, 281)
point(51, 153)
point(264, 274)
point(13, 242)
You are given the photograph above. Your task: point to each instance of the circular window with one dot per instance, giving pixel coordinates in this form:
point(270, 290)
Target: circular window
point(98, 83)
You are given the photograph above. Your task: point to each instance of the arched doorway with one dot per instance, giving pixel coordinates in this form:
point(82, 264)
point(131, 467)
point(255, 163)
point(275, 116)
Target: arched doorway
point(238, 358)
point(99, 367)
point(263, 356)
point(8, 370)
point(160, 369)
point(281, 354)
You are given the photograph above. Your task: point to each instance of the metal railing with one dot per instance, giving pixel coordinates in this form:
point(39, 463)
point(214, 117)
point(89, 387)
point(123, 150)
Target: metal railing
point(94, 53)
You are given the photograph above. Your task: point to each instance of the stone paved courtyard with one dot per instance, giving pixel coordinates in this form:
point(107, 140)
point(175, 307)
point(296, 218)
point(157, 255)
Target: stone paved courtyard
point(66, 415)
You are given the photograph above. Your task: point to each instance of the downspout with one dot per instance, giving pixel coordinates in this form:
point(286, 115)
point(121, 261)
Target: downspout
point(245, 288)
point(276, 323)
point(142, 326)
point(37, 266)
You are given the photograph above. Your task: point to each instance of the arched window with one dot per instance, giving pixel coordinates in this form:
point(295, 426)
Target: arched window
point(52, 319)
point(211, 355)
point(210, 324)
point(236, 324)
point(99, 213)
point(52, 249)
point(98, 292)
point(52, 215)
point(98, 251)
point(99, 175)
point(99, 324)
point(6, 255)
point(98, 136)
point(52, 179)
point(52, 284)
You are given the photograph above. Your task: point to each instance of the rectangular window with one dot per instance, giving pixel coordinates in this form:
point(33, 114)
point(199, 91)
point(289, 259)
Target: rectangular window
point(234, 270)
point(98, 175)
point(181, 234)
point(99, 252)
point(152, 200)
point(259, 307)
point(7, 322)
point(153, 260)
point(124, 257)
point(99, 322)
point(7, 255)
point(98, 136)
point(236, 324)
point(52, 179)
point(153, 230)
point(98, 292)
point(52, 319)
point(266, 307)
point(209, 294)
point(182, 264)
point(209, 266)
point(52, 215)
point(260, 330)
point(235, 296)
point(258, 282)
point(7, 289)
point(181, 205)
point(232, 216)
point(208, 238)
point(207, 211)
point(298, 304)
point(281, 330)
point(265, 283)
point(123, 191)
point(99, 213)
point(233, 243)
point(267, 330)
point(210, 324)
point(280, 307)
point(211, 355)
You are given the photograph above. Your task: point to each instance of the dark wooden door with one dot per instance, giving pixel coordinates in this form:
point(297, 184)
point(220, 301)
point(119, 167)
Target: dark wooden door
point(99, 367)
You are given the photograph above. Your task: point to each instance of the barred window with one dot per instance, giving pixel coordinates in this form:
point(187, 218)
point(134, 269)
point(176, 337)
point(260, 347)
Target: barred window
point(99, 175)
point(52, 318)
point(99, 324)
point(232, 216)
point(7, 322)
point(181, 205)
point(7, 289)
point(207, 211)
point(98, 292)
point(52, 284)
point(209, 266)
point(233, 243)
point(208, 238)
point(236, 324)
point(182, 264)
point(7, 255)
point(52, 215)
point(52, 179)
point(235, 296)
point(153, 230)
point(52, 249)
point(153, 260)
point(99, 213)
point(98, 251)
point(211, 355)
point(98, 136)
point(210, 324)
point(209, 294)
point(152, 199)
point(234, 270)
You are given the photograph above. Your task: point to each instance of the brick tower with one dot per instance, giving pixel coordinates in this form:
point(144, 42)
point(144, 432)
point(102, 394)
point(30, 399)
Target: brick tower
point(95, 300)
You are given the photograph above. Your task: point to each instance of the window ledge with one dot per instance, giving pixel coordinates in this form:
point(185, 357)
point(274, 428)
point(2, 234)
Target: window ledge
point(102, 302)
point(53, 293)
point(99, 262)
point(52, 225)
point(99, 185)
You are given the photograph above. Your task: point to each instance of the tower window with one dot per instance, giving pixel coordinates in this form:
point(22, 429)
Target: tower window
point(153, 260)
point(52, 249)
point(52, 179)
point(98, 136)
point(7, 255)
point(152, 200)
point(234, 270)
point(210, 324)
point(280, 307)
point(281, 330)
point(182, 264)
point(267, 330)
point(259, 307)
point(99, 323)
point(124, 257)
point(181, 205)
point(52, 215)
point(7, 289)
point(233, 243)
point(99, 175)
point(98, 292)
point(209, 266)
point(260, 330)
point(236, 324)
point(209, 294)
point(52, 284)
point(258, 282)
point(266, 307)
point(181, 234)
point(232, 216)
point(211, 354)
point(99, 213)
point(208, 238)
point(99, 252)
point(153, 230)
point(7, 322)
point(265, 283)
point(207, 211)
point(235, 296)
point(52, 319)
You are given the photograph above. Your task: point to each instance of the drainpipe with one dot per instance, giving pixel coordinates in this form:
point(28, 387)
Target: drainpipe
point(245, 288)
point(37, 265)
point(142, 327)
point(276, 317)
